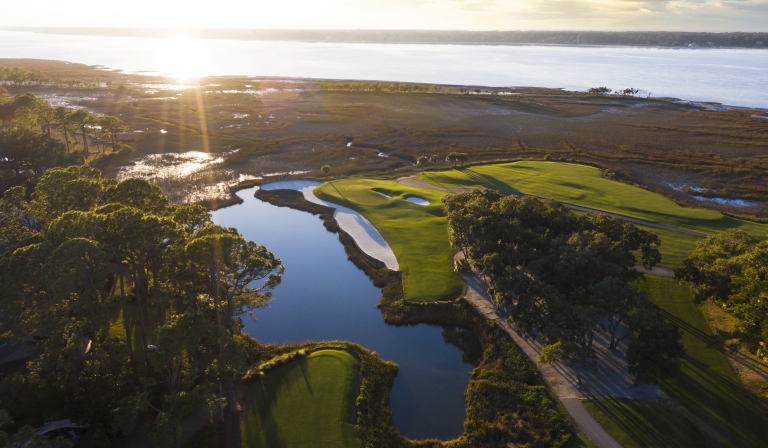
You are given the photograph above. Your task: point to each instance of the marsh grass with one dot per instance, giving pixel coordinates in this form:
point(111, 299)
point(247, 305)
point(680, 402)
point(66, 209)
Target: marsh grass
point(642, 141)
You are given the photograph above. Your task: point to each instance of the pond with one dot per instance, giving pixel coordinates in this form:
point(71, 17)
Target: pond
point(323, 296)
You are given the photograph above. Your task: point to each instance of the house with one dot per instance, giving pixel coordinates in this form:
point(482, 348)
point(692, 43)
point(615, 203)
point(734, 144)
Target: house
point(758, 42)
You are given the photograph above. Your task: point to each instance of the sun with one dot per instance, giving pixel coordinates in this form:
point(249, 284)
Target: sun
point(183, 58)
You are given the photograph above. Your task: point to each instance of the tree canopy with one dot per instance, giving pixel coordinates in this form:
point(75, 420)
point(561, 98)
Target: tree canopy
point(136, 303)
point(565, 277)
point(35, 137)
point(731, 268)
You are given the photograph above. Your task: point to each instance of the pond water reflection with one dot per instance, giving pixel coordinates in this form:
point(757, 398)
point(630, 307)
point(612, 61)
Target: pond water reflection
point(323, 296)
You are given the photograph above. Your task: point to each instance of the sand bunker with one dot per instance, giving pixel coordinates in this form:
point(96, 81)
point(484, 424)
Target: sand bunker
point(417, 200)
point(364, 233)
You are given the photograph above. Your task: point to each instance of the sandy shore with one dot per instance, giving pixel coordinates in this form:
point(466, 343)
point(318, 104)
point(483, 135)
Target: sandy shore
point(364, 233)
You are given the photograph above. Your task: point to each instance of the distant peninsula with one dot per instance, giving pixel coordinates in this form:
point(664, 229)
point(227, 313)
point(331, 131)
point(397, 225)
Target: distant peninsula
point(597, 38)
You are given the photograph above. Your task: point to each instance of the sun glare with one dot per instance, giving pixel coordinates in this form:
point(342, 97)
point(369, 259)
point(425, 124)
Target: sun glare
point(183, 58)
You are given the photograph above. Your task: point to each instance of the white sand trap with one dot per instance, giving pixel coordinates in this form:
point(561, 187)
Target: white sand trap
point(417, 200)
point(360, 229)
point(383, 194)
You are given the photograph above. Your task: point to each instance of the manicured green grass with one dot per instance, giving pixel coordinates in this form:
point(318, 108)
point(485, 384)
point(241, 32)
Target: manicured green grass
point(675, 246)
point(638, 424)
point(584, 185)
point(716, 408)
point(417, 234)
point(707, 386)
point(306, 403)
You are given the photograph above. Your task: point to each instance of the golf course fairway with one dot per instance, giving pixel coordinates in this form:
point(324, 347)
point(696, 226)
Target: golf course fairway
point(585, 186)
point(417, 234)
point(306, 403)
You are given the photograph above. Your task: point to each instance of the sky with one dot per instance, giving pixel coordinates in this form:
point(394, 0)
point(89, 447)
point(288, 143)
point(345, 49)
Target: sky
point(678, 15)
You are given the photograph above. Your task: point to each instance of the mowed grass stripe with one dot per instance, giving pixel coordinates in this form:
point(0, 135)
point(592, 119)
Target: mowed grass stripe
point(707, 387)
point(584, 185)
point(417, 234)
point(638, 424)
point(306, 403)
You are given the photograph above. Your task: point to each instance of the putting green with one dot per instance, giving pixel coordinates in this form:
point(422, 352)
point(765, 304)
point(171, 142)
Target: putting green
point(417, 234)
point(306, 403)
point(584, 185)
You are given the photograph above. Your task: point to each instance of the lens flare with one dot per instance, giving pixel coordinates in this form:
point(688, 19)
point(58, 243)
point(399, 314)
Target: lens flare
point(183, 58)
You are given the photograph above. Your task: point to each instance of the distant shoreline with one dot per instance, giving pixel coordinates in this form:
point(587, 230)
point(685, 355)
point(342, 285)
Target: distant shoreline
point(587, 39)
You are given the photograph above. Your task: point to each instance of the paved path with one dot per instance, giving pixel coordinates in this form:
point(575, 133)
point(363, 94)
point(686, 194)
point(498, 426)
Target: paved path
point(609, 378)
point(588, 424)
point(414, 182)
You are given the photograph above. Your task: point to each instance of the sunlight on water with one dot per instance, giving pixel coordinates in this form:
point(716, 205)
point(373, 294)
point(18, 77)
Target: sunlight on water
point(169, 165)
point(183, 58)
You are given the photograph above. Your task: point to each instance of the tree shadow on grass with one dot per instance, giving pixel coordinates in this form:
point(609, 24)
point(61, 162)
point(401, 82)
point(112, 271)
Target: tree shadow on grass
point(257, 423)
point(650, 424)
point(721, 401)
point(489, 182)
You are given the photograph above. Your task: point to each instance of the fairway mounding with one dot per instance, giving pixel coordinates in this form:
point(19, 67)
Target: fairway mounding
point(417, 233)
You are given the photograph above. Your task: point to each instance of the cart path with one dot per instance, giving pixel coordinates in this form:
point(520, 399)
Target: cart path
point(414, 182)
point(588, 424)
point(608, 379)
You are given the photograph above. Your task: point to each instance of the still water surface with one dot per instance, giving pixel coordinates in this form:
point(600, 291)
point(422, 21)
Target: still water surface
point(734, 77)
point(323, 296)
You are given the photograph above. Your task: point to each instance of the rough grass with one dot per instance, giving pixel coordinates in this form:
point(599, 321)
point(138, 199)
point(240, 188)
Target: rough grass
point(584, 185)
point(306, 403)
point(417, 234)
point(707, 389)
point(637, 424)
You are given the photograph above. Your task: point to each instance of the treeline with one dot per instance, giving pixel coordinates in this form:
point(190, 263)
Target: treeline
point(133, 306)
point(390, 87)
point(18, 76)
point(731, 269)
point(35, 137)
point(566, 278)
point(634, 38)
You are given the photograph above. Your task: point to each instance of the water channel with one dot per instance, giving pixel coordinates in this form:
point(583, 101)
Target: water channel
point(323, 296)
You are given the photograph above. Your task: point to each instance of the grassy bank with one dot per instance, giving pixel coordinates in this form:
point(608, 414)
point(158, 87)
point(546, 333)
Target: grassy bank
point(584, 185)
point(506, 401)
point(417, 234)
point(306, 403)
point(714, 407)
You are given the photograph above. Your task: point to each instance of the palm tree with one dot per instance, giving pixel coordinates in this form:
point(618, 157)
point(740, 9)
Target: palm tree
point(434, 158)
point(421, 161)
point(462, 156)
point(326, 169)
